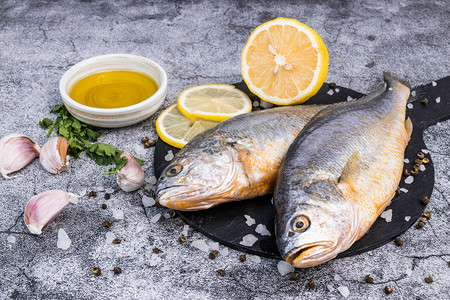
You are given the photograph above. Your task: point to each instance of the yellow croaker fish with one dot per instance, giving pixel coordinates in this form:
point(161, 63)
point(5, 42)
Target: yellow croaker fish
point(236, 160)
point(340, 173)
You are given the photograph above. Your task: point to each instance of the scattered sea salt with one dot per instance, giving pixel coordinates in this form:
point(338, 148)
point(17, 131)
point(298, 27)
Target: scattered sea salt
point(330, 92)
point(82, 193)
point(336, 90)
point(139, 228)
point(99, 189)
point(64, 241)
point(409, 179)
point(387, 215)
point(139, 149)
point(413, 93)
point(349, 98)
point(249, 220)
point(109, 190)
point(213, 246)
point(410, 106)
point(438, 99)
point(11, 239)
point(141, 193)
point(330, 288)
point(166, 215)
point(248, 240)
point(169, 156)
point(224, 251)
point(422, 168)
point(152, 180)
point(344, 291)
point(117, 214)
point(406, 161)
point(155, 260)
point(390, 89)
point(425, 151)
point(155, 218)
point(185, 230)
point(337, 277)
point(255, 103)
point(74, 200)
point(403, 190)
point(407, 218)
point(434, 83)
point(254, 258)
point(285, 267)
point(148, 201)
point(148, 187)
point(110, 237)
point(265, 104)
point(262, 230)
point(201, 245)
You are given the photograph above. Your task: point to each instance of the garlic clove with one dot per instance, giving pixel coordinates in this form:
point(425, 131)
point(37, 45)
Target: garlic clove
point(44, 207)
point(16, 151)
point(54, 155)
point(131, 177)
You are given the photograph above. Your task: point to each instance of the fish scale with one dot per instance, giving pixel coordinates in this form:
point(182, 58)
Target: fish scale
point(340, 173)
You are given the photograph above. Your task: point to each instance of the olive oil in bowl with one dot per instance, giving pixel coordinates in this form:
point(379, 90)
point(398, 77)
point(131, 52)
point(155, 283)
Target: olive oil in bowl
point(113, 89)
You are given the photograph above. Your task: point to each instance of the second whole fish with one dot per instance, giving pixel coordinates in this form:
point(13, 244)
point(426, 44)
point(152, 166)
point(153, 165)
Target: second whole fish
point(236, 160)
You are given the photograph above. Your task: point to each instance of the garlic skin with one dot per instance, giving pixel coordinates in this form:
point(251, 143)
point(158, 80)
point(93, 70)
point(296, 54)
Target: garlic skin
point(131, 177)
point(16, 151)
point(43, 208)
point(54, 155)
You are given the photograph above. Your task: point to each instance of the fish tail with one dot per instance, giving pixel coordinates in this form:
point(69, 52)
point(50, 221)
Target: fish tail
point(389, 77)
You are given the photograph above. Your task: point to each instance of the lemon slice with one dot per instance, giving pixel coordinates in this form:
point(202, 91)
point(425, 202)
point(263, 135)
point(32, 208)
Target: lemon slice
point(217, 102)
point(284, 62)
point(176, 130)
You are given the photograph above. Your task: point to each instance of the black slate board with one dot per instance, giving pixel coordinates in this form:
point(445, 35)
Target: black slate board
point(226, 223)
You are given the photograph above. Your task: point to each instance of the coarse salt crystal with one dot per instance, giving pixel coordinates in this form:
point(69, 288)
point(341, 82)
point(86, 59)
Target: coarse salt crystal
point(336, 90)
point(349, 98)
point(413, 93)
point(141, 193)
point(82, 193)
point(422, 168)
point(248, 240)
point(201, 245)
point(337, 277)
point(265, 104)
point(434, 83)
point(224, 251)
point(254, 258)
point(213, 246)
point(284, 267)
point(99, 189)
point(330, 288)
point(64, 241)
point(110, 237)
point(407, 218)
point(109, 190)
point(74, 200)
point(169, 156)
point(409, 179)
point(410, 106)
point(185, 230)
point(166, 268)
point(262, 230)
point(330, 92)
point(117, 214)
point(155, 260)
point(139, 228)
point(166, 215)
point(406, 161)
point(155, 218)
point(425, 151)
point(249, 220)
point(11, 239)
point(152, 180)
point(148, 201)
point(148, 187)
point(344, 291)
point(438, 99)
point(139, 149)
point(390, 89)
point(387, 215)
point(404, 190)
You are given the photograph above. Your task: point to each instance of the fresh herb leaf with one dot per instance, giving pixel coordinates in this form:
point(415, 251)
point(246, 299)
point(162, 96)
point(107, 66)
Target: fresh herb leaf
point(45, 123)
point(78, 134)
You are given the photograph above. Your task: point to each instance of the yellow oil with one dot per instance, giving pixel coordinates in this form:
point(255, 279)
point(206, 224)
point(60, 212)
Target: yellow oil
point(113, 89)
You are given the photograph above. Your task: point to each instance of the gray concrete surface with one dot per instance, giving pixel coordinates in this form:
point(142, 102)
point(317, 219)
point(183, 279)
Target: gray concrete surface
point(199, 42)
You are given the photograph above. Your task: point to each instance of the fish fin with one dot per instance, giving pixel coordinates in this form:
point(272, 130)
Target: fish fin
point(408, 127)
point(380, 89)
point(389, 76)
point(351, 170)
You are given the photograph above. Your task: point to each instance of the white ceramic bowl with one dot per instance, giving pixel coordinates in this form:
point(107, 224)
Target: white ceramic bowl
point(113, 117)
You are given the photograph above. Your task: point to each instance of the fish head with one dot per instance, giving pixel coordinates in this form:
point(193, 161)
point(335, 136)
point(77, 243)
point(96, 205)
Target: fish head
point(196, 178)
point(313, 225)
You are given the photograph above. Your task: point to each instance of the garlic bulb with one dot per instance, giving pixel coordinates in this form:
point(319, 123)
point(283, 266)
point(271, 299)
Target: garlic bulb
point(54, 155)
point(16, 151)
point(43, 208)
point(131, 177)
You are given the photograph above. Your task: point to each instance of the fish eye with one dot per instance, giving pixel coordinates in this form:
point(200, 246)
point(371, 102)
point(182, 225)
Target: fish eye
point(174, 170)
point(301, 223)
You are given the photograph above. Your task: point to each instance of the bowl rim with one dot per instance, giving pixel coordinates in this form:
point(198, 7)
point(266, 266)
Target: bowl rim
point(110, 111)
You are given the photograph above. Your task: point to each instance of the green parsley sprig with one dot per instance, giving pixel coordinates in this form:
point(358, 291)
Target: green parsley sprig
point(82, 137)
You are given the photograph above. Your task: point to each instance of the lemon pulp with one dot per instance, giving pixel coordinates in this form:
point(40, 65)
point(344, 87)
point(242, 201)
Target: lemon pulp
point(113, 89)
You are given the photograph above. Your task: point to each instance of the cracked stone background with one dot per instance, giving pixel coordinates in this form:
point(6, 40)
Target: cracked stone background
point(199, 42)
